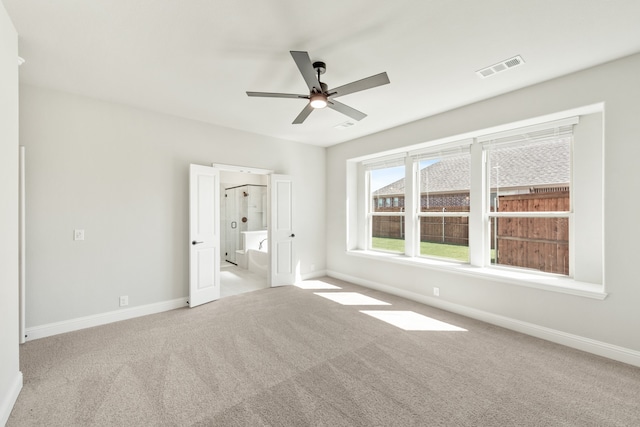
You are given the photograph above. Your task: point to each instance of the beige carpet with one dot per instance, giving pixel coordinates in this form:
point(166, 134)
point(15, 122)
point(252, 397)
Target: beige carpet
point(287, 357)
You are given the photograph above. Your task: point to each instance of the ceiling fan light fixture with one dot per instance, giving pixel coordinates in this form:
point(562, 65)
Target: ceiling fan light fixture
point(319, 93)
point(318, 100)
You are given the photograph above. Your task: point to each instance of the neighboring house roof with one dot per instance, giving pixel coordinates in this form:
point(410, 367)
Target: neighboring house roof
point(539, 164)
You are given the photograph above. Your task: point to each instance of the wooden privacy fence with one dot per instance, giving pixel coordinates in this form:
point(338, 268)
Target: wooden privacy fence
point(537, 243)
point(452, 230)
point(391, 227)
point(439, 229)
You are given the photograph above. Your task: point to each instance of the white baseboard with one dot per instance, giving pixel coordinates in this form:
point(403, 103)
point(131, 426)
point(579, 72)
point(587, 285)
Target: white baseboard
point(589, 345)
point(50, 329)
point(56, 328)
point(9, 399)
point(314, 275)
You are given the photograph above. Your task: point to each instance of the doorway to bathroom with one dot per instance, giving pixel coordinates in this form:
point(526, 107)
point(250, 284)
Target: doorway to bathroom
point(206, 183)
point(244, 257)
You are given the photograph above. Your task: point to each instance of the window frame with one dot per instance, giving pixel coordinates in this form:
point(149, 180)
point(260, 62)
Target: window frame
point(370, 209)
point(487, 147)
point(439, 153)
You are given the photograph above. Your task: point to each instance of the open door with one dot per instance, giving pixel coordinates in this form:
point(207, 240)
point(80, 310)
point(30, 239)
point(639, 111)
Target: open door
point(283, 261)
point(204, 234)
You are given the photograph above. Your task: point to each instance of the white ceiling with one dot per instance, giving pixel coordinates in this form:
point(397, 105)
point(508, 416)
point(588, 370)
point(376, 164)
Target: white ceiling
point(197, 58)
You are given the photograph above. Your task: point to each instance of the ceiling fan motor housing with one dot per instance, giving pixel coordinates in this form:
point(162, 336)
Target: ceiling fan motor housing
point(320, 67)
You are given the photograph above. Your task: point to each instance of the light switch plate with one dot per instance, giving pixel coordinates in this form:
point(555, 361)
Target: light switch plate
point(78, 234)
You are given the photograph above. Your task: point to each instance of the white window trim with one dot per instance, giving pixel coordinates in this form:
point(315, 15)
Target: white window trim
point(536, 280)
point(444, 213)
point(477, 267)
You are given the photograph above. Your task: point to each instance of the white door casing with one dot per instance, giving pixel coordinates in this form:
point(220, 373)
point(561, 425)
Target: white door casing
point(22, 247)
point(204, 234)
point(281, 233)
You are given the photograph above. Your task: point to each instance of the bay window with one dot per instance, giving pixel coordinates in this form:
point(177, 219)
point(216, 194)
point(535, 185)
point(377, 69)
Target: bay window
point(527, 199)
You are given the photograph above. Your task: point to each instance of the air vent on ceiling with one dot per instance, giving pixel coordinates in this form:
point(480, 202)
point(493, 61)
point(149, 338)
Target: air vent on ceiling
point(500, 66)
point(345, 125)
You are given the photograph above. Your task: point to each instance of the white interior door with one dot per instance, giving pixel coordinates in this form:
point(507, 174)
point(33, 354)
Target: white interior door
point(282, 248)
point(204, 234)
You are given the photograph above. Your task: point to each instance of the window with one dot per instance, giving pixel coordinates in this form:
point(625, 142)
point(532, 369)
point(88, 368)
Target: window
point(528, 199)
point(386, 224)
point(529, 214)
point(443, 212)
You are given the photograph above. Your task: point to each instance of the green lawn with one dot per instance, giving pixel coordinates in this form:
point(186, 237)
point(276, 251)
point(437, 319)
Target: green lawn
point(456, 252)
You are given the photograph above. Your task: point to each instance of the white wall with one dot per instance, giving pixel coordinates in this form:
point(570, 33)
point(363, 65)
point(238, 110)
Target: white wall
point(615, 320)
point(10, 376)
point(121, 174)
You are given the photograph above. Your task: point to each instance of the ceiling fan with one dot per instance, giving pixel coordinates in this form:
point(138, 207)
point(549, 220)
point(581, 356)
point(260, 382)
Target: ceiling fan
point(320, 95)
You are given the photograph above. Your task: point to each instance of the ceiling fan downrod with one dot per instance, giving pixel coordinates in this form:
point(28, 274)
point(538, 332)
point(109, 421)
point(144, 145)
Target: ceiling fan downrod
point(319, 99)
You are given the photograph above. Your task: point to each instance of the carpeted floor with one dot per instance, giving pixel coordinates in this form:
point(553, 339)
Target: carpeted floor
point(288, 357)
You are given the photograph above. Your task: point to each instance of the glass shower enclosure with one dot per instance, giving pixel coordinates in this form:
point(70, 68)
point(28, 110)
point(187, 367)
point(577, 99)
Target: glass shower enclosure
point(245, 209)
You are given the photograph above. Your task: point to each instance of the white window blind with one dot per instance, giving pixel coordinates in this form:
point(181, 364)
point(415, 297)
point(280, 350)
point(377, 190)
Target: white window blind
point(385, 162)
point(443, 151)
point(532, 134)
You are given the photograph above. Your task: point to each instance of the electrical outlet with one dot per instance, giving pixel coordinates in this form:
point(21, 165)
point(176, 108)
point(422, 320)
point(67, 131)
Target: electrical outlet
point(124, 300)
point(436, 292)
point(78, 234)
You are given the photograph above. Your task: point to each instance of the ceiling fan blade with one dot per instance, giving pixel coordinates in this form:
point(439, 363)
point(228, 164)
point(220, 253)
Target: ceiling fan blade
point(303, 114)
point(357, 86)
point(346, 110)
point(277, 95)
point(306, 69)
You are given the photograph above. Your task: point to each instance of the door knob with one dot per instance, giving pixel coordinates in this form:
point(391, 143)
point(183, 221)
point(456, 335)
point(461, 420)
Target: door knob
point(292, 235)
point(195, 243)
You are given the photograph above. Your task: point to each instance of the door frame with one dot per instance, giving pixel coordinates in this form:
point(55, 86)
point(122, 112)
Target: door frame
point(22, 243)
point(255, 171)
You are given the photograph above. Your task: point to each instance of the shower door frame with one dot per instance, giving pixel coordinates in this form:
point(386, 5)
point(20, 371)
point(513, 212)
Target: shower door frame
point(230, 253)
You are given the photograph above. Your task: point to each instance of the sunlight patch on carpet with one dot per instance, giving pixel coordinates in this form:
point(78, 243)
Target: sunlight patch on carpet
point(411, 321)
point(315, 284)
point(350, 298)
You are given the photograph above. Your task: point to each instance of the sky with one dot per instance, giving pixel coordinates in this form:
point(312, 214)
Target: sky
point(384, 177)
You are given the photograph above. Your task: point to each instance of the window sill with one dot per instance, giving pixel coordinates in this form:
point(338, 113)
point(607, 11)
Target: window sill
point(542, 281)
